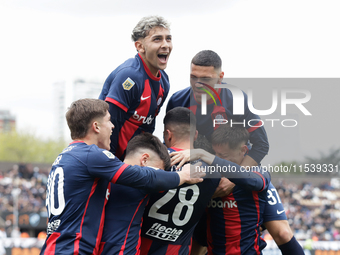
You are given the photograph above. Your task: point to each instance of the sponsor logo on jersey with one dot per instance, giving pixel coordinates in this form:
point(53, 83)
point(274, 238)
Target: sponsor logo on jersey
point(279, 212)
point(162, 232)
point(144, 119)
point(109, 154)
point(222, 204)
point(144, 98)
point(159, 101)
point(128, 83)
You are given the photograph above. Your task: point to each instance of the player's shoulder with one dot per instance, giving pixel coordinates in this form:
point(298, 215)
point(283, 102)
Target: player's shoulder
point(129, 73)
point(96, 150)
point(165, 81)
point(131, 69)
point(181, 93)
point(179, 98)
point(96, 154)
point(271, 186)
point(75, 148)
point(164, 75)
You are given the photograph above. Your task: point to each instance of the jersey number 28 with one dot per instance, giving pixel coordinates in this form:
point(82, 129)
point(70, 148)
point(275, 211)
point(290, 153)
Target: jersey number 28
point(183, 202)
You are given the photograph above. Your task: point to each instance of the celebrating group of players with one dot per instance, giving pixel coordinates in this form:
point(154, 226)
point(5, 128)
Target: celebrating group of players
point(106, 193)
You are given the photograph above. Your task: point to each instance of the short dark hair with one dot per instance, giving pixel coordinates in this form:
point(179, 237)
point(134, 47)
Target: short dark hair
point(150, 142)
point(82, 112)
point(202, 142)
point(183, 117)
point(207, 58)
point(233, 136)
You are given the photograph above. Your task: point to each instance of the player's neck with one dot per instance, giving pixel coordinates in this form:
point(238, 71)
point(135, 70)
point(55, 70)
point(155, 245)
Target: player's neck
point(154, 71)
point(184, 145)
point(89, 140)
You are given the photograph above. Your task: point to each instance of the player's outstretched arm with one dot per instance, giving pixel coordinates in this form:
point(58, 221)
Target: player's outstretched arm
point(248, 179)
point(156, 179)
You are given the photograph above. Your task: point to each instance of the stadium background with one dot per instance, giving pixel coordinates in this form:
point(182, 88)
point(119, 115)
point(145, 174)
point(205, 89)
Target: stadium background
point(45, 42)
point(312, 206)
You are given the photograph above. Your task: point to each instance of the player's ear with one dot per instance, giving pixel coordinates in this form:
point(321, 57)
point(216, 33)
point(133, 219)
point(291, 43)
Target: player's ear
point(139, 46)
point(144, 159)
point(95, 126)
point(196, 134)
point(167, 135)
point(221, 75)
point(244, 149)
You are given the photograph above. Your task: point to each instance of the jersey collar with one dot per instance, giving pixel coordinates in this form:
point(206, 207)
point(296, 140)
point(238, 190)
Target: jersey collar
point(147, 70)
point(76, 141)
point(176, 149)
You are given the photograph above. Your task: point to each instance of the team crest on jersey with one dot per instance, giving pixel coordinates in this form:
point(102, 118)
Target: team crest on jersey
point(159, 101)
point(219, 118)
point(128, 84)
point(109, 154)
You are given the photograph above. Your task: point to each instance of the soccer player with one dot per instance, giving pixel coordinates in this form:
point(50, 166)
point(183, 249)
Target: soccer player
point(206, 72)
point(272, 215)
point(137, 89)
point(233, 221)
point(170, 217)
point(249, 194)
point(78, 184)
point(125, 209)
point(275, 221)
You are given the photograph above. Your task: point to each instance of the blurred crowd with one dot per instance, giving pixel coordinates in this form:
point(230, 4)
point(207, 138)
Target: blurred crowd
point(313, 211)
point(31, 182)
point(28, 184)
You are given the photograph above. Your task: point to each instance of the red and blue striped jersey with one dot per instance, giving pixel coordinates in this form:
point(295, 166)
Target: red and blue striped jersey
point(233, 221)
point(78, 190)
point(123, 220)
point(171, 216)
point(258, 137)
point(136, 97)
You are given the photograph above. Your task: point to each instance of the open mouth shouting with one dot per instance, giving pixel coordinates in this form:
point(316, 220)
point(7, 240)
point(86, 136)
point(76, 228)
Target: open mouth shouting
point(163, 57)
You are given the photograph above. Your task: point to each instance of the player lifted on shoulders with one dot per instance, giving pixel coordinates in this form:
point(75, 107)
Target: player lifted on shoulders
point(137, 89)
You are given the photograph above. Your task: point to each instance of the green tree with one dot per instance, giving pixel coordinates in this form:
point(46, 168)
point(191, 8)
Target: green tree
point(27, 147)
point(326, 160)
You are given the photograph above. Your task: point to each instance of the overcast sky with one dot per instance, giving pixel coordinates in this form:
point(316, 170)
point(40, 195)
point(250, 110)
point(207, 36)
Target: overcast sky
point(43, 42)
